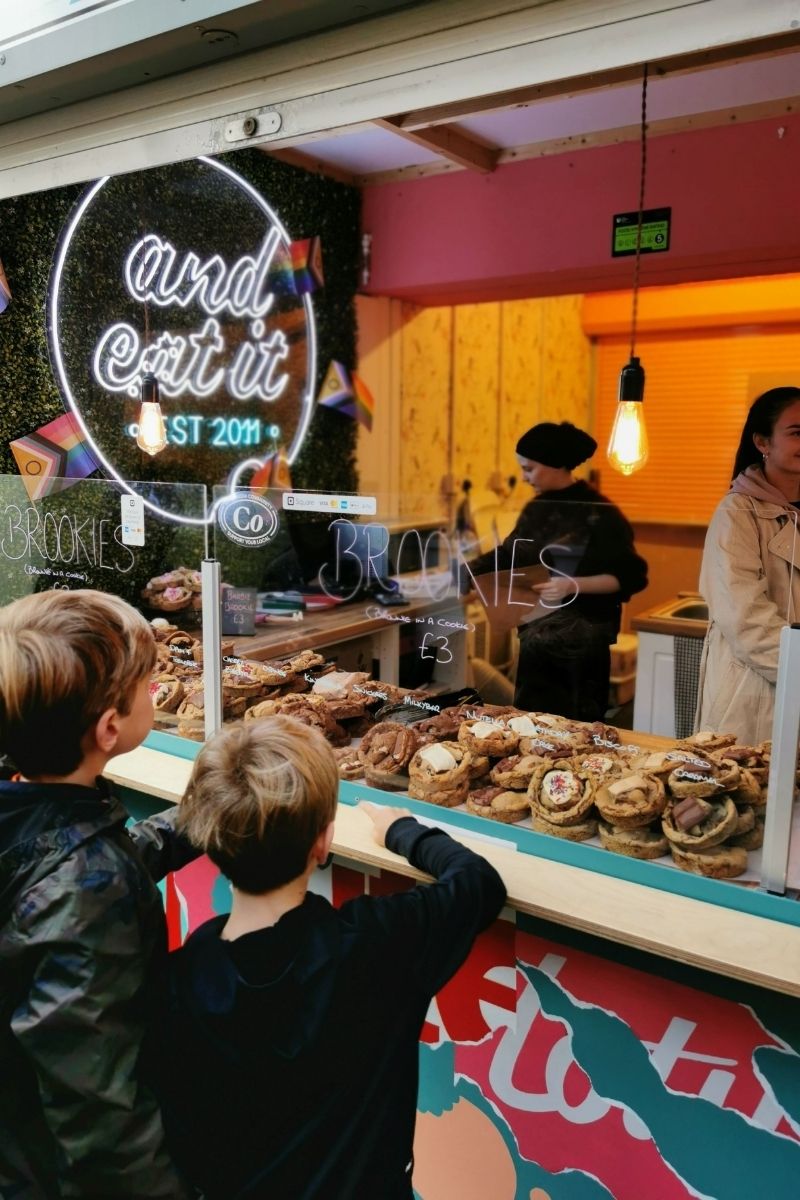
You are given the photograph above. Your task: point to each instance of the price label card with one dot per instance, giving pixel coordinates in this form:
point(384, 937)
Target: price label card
point(132, 515)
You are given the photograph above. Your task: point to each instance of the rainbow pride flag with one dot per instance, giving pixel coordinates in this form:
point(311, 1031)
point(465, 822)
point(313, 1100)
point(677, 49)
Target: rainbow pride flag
point(364, 402)
point(307, 265)
point(52, 458)
point(5, 290)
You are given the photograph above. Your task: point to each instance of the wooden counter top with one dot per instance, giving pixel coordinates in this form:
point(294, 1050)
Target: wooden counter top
point(327, 626)
point(742, 946)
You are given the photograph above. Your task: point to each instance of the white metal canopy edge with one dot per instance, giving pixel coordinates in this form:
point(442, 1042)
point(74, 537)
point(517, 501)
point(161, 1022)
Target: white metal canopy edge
point(446, 52)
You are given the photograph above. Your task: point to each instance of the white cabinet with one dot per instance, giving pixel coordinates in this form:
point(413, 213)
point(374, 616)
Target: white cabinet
point(654, 703)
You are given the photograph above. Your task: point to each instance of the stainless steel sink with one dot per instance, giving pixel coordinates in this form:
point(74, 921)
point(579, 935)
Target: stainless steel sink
point(690, 610)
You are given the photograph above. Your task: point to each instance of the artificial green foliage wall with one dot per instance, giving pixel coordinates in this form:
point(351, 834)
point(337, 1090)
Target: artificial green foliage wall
point(307, 204)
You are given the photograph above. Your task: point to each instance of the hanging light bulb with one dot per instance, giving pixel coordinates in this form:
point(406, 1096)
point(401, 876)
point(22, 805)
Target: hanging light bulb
point(152, 433)
point(627, 446)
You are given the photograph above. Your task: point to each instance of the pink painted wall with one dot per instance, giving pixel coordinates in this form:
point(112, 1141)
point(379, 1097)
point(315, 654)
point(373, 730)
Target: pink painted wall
point(543, 227)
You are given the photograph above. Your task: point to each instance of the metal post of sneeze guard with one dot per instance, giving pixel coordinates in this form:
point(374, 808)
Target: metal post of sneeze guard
point(212, 638)
point(783, 764)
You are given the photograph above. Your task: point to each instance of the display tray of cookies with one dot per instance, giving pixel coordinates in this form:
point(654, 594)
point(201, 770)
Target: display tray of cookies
point(697, 805)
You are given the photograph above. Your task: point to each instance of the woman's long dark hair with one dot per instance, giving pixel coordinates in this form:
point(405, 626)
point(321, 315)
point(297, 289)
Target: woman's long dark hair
point(764, 412)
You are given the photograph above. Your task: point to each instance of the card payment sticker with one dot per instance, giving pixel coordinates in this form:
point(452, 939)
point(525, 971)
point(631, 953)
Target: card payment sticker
point(132, 513)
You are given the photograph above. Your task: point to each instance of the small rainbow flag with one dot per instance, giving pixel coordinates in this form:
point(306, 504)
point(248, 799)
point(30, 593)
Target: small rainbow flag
point(274, 472)
point(365, 402)
point(52, 458)
point(350, 396)
point(336, 390)
point(307, 265)
point(5, 290)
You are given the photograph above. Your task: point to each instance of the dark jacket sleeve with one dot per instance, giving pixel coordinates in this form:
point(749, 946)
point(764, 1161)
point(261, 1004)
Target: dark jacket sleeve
point(80, 1026)
point(505, 554)
point(614, 554)
point(432, 926)
point(161, 848)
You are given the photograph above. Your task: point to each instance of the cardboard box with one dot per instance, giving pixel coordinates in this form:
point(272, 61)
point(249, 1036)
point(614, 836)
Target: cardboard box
point(622, 689)
point(623, 654)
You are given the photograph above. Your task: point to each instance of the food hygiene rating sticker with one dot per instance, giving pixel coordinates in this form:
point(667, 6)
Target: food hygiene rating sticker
point(248, 520)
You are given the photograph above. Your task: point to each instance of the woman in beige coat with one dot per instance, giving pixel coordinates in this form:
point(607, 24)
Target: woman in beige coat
point(750, 575)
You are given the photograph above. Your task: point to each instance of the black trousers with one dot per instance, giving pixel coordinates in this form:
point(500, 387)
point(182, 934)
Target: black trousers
point(564, 666)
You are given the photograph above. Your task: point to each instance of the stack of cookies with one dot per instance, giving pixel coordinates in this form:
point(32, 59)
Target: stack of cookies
point(177, 591)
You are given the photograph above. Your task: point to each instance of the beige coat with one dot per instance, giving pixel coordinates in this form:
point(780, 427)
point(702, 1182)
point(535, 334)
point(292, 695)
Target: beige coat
point(750, 579)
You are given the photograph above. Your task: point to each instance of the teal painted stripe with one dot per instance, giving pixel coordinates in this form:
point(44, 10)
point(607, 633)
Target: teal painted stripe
point(169, 743)
point(595, 859)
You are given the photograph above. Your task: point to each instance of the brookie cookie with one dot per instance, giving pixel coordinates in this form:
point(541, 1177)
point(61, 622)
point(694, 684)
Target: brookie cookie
point(717, 862)
point(602, 767)
point(581, 831)
point(439, 766)
point(695, 823)
point(707, 741)
point(694, 778)
point(166, 693)
point(498, 805)
point(515, 772)
point(488, 737)
point(644, 843)
point(560, 794)
point(632, 801)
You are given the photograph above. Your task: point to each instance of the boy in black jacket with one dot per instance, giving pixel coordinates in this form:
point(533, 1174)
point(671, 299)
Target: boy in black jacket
point(291, 1056)
point(83, 942)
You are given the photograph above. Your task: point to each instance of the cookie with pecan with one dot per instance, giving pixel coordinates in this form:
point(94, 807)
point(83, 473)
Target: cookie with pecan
point(386, 751)
point(348, 763)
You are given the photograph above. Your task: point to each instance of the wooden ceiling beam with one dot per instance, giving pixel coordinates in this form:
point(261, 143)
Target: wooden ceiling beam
point(567, 88)
point(789, 106)
point(308, 162)
point(457, 147)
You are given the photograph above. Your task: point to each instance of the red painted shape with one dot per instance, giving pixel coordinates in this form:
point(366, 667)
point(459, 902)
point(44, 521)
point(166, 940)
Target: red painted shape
point(172, 908)
point(346, 884)
point(703, 1044)
point(543, 226)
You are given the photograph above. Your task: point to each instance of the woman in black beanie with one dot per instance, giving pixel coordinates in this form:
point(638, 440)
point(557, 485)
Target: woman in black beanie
point(587, 545)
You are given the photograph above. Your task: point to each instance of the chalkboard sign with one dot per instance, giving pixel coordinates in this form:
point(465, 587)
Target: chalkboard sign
point(239, 611)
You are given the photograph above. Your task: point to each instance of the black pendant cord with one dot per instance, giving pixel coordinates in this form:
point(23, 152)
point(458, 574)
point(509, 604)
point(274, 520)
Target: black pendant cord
point(642, 180)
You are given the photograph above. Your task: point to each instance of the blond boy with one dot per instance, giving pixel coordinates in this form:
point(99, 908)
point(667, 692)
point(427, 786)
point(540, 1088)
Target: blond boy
point(82, 930)
point(291, 1064)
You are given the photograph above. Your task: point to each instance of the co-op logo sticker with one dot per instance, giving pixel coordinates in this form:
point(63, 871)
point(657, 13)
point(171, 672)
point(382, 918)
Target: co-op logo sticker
point(248, 520)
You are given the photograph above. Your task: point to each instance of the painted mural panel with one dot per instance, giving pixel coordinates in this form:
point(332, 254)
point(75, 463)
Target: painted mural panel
point(549, 1072)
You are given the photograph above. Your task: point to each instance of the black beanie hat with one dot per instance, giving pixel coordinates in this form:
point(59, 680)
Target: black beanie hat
point(554, 445)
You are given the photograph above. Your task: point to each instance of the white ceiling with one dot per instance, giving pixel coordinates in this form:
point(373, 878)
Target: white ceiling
point(741, 90)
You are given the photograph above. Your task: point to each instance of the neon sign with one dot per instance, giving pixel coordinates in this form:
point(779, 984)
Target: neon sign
point(193, 292)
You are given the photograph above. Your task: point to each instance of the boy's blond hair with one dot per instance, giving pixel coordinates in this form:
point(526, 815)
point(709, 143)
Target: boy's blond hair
point(66, 657)
point(260, 794)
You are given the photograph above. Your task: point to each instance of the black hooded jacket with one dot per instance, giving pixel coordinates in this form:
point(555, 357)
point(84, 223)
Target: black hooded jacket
point(291, 1060)
point(82, 937)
